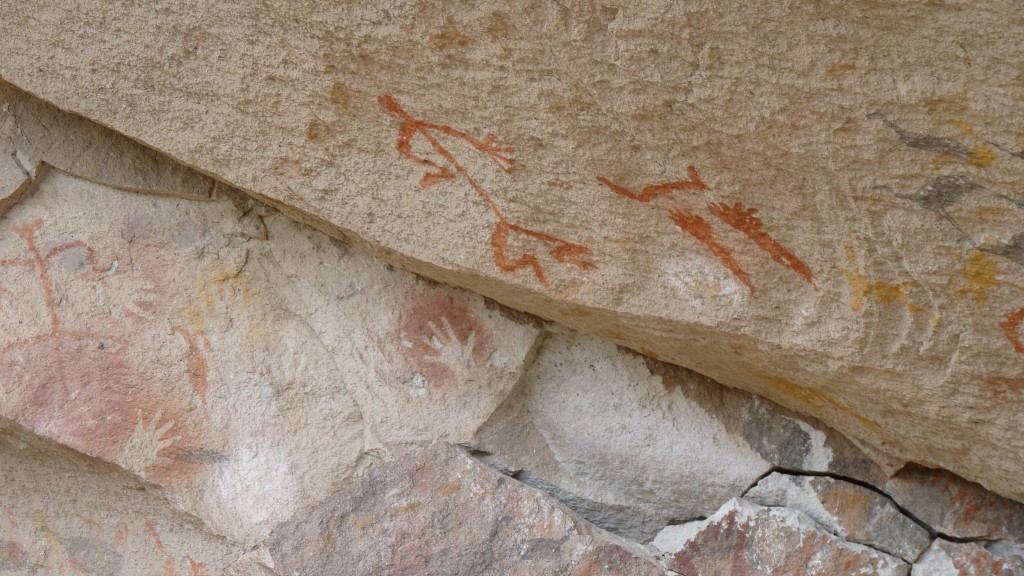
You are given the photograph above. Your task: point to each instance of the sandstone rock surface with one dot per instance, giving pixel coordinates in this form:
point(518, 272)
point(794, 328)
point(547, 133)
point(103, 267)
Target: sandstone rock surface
point(437, 511)
point(837, 229)
point(248, 375)
point(138, 329)
point(64, 514)
point(946, 558)
point(744, 538)
point(39, 132)
point(658, 444)
point(852, 512)
point(955, 507)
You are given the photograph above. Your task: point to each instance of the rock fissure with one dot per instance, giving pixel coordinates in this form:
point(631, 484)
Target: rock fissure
point(856, 481)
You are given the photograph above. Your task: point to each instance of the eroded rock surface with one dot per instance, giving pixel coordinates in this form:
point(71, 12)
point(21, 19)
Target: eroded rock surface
point(254, 375)
point(852, 512)
point(64, 514)
point(40, 132)
point(140, 329)
point(946, 558)
point(837, 229)
point(437, 511)
point(744, 538)
point(956, 507)
point(690, 443)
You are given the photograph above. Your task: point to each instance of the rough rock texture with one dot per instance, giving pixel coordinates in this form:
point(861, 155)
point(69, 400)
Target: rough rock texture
point(955, 507)
point(437, 511)
point(817, 202)
point(16, 179)
point(249, 375)
point(691, 443)
point(40, 132)
point(746, 539)
point(852, 512)
point(946, 558)
point(63, 514)
point(138, 329)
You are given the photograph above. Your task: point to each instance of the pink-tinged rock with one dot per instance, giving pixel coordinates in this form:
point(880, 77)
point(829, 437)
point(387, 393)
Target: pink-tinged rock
point(436, 511)
point(243, 362)
point(744, 539)
point(847, 510)
point(956, 507)
point(817, 202)
point(945, 558)
point(64, 514)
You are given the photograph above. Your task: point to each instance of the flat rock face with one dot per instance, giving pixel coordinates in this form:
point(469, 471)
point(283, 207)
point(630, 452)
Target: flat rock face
point(821, 204)
point(40, 132)
point(15, 177)
point(955, 507)
point(746, 539)
point(244, 362)
point(850, 511)
point(437, 511)
point(946, 558)
point(63, 514)
point(278, 402)
point(586, 407)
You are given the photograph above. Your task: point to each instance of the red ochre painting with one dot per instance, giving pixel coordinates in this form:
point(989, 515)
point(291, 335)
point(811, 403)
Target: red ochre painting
point(449, 168)
point(1011, 325)
point(737, 216)
point(77, 384)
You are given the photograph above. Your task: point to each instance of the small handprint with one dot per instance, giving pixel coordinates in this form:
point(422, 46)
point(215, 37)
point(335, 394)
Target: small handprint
point(143, 448)
point(450, 351)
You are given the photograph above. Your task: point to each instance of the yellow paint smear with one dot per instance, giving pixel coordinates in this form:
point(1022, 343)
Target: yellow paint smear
point(817, 399)
point(982, 156)
point(979, 276)
point(221, 289)
point(882, 292)
point(963, 125)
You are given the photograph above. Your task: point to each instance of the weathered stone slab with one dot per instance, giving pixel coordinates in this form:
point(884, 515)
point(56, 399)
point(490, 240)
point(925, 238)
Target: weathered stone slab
point(16, 179)
point(63, 514)
point(436, 511)
point(744, 538)
point(945, 558)
point(849, 511)
point(633, 444)
point(837, 229)
point(43, 133)
point(956, 507)
point(245, 363)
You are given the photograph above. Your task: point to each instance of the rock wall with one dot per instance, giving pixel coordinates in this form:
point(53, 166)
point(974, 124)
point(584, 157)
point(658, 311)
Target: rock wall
point(195, 384)
point(817, 202)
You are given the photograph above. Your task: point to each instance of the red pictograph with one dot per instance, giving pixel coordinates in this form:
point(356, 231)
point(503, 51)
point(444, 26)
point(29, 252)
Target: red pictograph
point(77, 384)
point(559, 249)
point(700, 229)
point(1011, 325)
point(57, 332)
point(737, 216)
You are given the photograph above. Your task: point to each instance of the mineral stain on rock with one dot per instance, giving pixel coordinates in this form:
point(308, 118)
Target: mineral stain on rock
point(978, 155)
